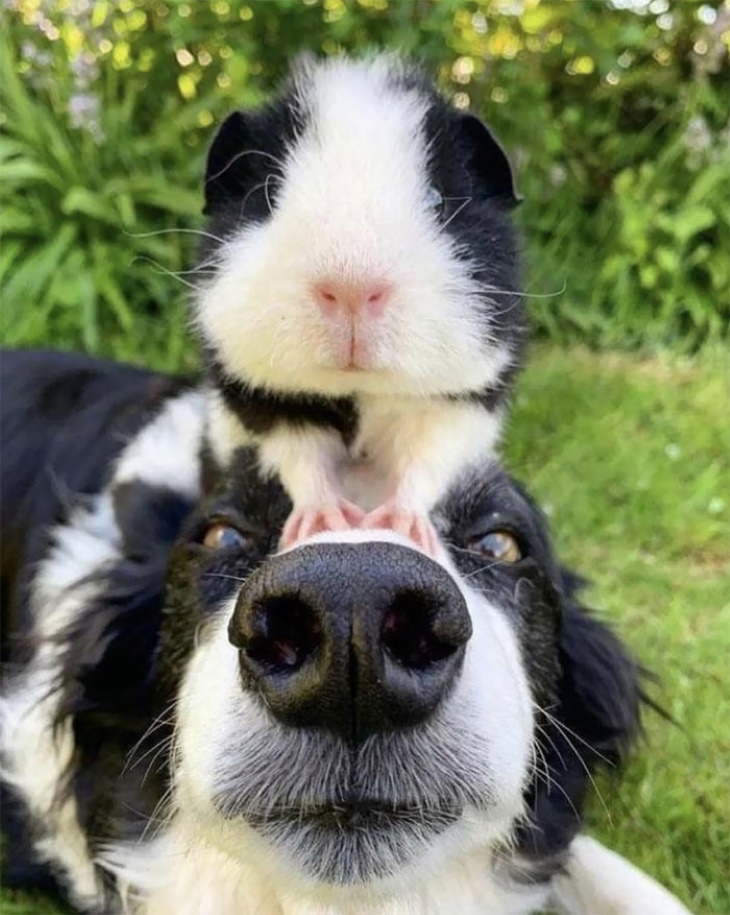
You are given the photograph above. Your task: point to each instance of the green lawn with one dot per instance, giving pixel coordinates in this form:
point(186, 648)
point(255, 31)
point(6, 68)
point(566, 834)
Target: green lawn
point(631, 459)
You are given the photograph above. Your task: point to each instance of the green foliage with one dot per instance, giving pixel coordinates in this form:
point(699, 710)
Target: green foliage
point(617, 118)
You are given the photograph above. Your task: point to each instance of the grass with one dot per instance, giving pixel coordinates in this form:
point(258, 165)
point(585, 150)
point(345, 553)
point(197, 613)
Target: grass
point(630, 458)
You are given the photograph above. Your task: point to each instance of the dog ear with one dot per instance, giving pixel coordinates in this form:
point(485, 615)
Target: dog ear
point(593, 722)
point(600, 690)
point(109, 649)
point(488, 162)
point(229, 169)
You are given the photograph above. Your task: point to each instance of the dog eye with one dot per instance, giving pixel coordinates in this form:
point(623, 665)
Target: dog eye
point(498, 545)
point(433, 198)
point(221, 536)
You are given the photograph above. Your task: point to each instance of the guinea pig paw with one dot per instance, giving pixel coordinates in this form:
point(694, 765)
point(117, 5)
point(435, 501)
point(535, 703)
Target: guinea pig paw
point(414, 525)
point(340, 515)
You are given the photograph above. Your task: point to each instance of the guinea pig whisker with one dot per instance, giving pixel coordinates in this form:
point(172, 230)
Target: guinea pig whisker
point(240, 155)
point(498, 312)
point(160, 269)
point(257, 187)
point(200, 232)
point(201, 268)
point(459, 549)
point(494, 290)
point(154, 751)
point(551, 783)
point(465, 203)
point(266, 192)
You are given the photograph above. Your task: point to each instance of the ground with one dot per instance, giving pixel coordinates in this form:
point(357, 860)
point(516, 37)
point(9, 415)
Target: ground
point(630, 458)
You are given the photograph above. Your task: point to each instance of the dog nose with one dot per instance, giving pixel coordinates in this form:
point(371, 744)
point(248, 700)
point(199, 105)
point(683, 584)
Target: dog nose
point(354, 638)
point(368, 297)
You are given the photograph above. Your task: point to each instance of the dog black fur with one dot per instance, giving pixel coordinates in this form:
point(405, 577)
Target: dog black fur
point(66, 419)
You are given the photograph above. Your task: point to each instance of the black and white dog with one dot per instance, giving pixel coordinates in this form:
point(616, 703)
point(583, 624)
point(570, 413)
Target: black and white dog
point(196, 722)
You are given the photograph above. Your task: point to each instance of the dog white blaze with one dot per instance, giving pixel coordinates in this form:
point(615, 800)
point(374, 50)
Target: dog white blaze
point(486, 727)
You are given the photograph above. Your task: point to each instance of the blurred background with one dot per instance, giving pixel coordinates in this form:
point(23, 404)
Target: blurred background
point(616, 114)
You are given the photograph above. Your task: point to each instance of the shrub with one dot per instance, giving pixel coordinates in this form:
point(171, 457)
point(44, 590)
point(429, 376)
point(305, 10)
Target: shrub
point(617, 118)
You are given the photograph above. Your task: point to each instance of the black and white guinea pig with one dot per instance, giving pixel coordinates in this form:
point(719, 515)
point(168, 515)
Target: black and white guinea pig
point(360, 305)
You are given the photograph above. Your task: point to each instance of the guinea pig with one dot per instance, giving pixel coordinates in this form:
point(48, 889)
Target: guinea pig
point(360, 305)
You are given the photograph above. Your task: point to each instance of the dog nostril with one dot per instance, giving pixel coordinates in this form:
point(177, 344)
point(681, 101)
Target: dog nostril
point(285, 633)
point(407, 631)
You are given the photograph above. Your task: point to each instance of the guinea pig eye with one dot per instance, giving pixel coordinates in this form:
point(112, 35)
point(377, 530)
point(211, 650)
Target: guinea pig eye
point(220, 536)
point(501, 546)
point(434, 200)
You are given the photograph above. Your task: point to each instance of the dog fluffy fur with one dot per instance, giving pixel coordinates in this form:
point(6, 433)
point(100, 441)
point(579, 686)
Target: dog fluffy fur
point(141, 775)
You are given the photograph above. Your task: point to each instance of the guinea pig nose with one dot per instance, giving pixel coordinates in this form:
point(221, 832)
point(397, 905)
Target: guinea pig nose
point(369, 297)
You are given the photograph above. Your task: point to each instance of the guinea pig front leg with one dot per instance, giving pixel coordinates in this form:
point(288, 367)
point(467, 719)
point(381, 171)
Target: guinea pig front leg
point(422, 446)
point(307, 460)
point(403, 513)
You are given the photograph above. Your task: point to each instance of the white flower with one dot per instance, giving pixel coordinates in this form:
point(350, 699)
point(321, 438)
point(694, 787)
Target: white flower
point(697, 136)
point(83, 112)
point(558, 174)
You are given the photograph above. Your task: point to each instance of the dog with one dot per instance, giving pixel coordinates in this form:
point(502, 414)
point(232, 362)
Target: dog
point(197, 721)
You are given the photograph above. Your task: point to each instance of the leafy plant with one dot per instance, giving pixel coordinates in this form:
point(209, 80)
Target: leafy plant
point(615, 113)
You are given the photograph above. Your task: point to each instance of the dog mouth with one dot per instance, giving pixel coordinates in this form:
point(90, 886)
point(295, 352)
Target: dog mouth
point(359, 814)
point(354, 841)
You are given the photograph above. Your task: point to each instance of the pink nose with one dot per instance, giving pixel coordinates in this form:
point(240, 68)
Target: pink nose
point(366, 298)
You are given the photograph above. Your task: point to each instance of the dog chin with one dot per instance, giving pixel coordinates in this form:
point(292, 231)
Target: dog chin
point(367, 817)
point(353, 844)
point(368, 837)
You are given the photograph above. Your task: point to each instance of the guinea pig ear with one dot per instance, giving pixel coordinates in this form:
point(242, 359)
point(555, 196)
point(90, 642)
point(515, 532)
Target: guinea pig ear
point(489, 162)
point(228, 169)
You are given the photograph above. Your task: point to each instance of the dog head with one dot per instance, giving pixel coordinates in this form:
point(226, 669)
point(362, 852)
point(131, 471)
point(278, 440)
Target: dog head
point(349, 717)
point(352, 711)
